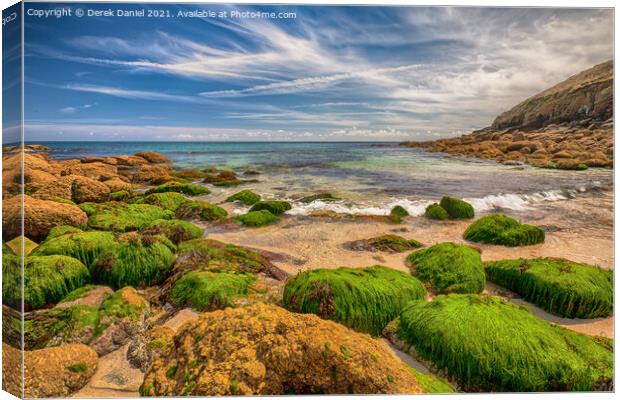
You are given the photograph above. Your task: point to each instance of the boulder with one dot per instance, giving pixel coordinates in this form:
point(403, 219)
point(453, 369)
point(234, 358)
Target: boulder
point(117, 184)
point(154, 157)
point(85, 189)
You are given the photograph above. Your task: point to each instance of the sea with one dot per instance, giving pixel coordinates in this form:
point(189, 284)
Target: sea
point(369, 178)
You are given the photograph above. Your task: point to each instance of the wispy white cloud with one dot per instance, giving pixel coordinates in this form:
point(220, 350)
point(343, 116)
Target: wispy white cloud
point(132, 94)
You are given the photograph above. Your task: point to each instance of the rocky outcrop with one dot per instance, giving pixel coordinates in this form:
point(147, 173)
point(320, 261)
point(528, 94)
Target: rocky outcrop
point(569, 126)
point(265, 350)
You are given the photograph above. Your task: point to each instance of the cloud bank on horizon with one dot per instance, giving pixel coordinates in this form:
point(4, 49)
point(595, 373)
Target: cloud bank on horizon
point(330, 73)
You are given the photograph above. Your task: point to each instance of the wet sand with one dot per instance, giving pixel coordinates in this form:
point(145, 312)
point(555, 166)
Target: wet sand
point(579, 229)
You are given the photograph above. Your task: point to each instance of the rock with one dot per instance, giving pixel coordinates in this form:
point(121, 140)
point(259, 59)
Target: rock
point(154, 157)
point(131, 161)
point(146, 347)
point(384, 243)
point(265, 350)
point(117, 185)
point(152, 174)
point(51, 372)
point(98, 171)
point(85, 189)
point(89, 295)
point(39, 217)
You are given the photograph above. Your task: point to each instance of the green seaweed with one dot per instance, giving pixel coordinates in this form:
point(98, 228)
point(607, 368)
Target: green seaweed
point(561, 287)
point(388, 243)
point(399, 211)
point(188, 189)
point(364, 299)
point(166, 200)
point(116, 306)
point(207, 291)
point(122, 217)
point(246, 197)
point(319, 196)
point(121, 195)
point(85, 246)
point(488, 344)
point(211, 255)
point(457, 208)
point(435, 211)
point(257, 218)
point(276, 207)
point(500, 229)
point(200, 210)
point(449, 268)
point(62, 230)
point(175, 230)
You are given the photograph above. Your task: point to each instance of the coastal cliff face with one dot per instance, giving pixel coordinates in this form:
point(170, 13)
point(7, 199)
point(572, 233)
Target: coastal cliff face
point(568, 126)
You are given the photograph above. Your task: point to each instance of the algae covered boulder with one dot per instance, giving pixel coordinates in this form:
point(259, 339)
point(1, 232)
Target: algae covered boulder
point(175, 230)
point(122, 217)
point(319, 196)
point(265, 350)
point(449, 268)
point(257, 218)
point(62, 230)
point(561, 287)
point(397, 214)
point(276, 207)
point(435, 211)
point(188, 189)
point(167, 200)
point(500, 229)
point(207, 291)
point(47, 279)
point(52, 372)
point(134, 260)
point(246, 197)
point(384, 243)
point(457, 208)
point(364, 299)
point(200, 210)
point(488, 344)
point(84, 246)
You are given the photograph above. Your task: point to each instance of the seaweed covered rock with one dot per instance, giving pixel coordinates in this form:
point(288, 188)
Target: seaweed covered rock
point(276, 207)
point(223, 178)
point(457, 208)
point(257, 218)
point(319, 196)
point(207, 291)
point(84, 246)
point(62, 230)
point(121, 195)
point(246, 197)
point(166, 200)
point(265, 350)
point(397, 214)
point(175, 230)
point(385, 243)
point(122, 217)
point(134, 260)
point(449, 268)
point(500, 229)
point(561, 287)
point(435, 211)
point(52, 372)
point(39, 217)
point(188, 189)
point(488, 344)
point(47, 279)
point(211, 255)
point(364, 299)
point(200, 210)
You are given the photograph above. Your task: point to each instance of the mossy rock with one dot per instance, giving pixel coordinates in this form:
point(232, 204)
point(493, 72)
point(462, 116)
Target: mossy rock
point(319, 196)
point(212, 255)
point(276, 207)
point(56, 326)
point(435, 211)
point(122, 217)
point(385, 243)
point(500, 229)
point(167, 200)
point(134, 260)
point(457, 208)
point(208, 291)
point(431, 383)
point(223, 178)
point(16, 244)
point(62, 230)
point(47, 279)
point(175, 230)
point(200, 210)
point(488, 344)
point(188, 189)
point(399, 211)
point(246, 197)
point(449, 268)
point(559, 286)
point(121, 195)
point(124, 303)
point(257, 218)
point(84, 246)
point(364, 299)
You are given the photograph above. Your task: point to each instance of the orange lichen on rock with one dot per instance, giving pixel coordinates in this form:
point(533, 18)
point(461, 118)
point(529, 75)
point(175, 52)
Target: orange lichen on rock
point(263, 349)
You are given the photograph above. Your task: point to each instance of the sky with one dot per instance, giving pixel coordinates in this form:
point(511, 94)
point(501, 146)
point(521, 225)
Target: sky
point(319, 73)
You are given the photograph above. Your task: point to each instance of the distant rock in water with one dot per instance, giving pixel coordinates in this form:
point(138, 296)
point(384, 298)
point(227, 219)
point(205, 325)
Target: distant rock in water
point(588, 94)
point(568, 126)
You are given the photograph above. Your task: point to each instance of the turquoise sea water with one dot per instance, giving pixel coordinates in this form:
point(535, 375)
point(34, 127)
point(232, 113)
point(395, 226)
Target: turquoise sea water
point(369, 177)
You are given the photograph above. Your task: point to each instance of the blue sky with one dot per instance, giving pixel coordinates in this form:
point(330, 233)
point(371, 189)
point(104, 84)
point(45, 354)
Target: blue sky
point(331, 73)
